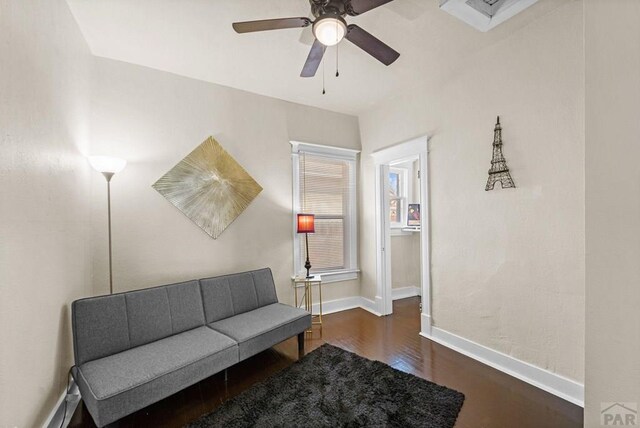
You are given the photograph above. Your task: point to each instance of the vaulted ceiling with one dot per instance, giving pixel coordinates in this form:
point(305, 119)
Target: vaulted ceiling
point(194, 38)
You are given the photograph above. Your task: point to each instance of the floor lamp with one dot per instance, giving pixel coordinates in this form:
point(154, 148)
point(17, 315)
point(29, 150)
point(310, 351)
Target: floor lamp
point(108, 166)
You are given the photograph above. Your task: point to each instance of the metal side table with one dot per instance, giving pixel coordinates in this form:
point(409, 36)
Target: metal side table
point(306, 299)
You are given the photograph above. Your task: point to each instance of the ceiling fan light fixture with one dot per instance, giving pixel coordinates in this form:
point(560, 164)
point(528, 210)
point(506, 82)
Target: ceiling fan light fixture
point(330, 29)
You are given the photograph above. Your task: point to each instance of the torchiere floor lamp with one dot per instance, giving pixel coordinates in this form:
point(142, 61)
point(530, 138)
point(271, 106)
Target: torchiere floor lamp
point(108, 166)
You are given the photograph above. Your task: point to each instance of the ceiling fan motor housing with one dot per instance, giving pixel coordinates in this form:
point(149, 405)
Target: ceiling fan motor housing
point(324, 7)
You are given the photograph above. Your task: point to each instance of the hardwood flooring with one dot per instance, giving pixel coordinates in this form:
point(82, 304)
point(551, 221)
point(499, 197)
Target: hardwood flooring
point(493, 399)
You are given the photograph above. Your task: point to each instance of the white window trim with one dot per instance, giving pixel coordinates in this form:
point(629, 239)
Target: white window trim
point(351, 270)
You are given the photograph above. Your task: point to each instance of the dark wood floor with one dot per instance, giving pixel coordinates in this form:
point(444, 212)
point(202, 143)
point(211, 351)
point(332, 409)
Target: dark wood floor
point(493, 399)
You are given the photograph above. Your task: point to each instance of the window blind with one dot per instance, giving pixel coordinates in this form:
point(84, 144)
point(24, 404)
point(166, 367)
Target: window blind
point(325, 191)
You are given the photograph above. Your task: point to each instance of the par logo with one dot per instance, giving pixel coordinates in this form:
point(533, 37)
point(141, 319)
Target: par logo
point(619, 414)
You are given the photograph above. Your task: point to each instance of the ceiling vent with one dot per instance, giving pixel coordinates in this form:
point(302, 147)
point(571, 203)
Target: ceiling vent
point(483, 15)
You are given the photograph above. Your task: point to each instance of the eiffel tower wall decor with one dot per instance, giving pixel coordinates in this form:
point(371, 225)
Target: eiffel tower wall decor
point(499, 172)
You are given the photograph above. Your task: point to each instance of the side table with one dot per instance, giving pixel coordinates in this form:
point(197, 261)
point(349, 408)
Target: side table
point(307, 296)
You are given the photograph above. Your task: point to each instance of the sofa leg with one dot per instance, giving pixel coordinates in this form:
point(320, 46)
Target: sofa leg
point(301, 344)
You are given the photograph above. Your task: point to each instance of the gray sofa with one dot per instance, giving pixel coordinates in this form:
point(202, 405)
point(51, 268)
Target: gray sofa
point(134, 349)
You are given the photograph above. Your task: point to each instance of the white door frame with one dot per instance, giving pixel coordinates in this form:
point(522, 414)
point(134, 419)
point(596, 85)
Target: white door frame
point(412, 148)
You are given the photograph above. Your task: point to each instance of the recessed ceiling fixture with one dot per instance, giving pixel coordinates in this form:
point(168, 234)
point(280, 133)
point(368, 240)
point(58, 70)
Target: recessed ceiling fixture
point(329, 28)
point(484, 15)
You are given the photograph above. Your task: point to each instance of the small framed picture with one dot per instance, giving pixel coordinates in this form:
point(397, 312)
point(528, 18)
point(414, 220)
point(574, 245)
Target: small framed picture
point(414, 215)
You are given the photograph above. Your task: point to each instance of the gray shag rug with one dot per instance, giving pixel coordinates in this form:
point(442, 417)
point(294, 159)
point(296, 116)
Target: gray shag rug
point(331, 387)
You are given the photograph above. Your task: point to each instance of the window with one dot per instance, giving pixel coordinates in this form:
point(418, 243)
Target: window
point(398, 196)
point(400, 190)
point(325, 185)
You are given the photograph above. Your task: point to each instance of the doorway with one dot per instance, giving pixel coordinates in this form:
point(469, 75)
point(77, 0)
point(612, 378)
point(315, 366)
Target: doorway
point(405, 223)
point(402, 211)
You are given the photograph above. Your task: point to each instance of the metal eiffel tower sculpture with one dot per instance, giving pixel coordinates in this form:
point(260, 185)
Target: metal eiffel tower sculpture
point(499, 172)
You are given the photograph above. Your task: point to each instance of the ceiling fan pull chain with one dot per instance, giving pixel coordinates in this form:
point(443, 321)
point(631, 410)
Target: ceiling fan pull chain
point(323, 86)
point(337, 61)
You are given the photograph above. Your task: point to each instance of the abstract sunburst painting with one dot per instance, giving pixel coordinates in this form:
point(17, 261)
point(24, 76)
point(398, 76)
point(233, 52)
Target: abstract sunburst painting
point(210, 187)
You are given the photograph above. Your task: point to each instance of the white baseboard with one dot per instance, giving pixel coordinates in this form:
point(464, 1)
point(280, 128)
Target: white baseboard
point(369, 305)
point(553, 383)
point(54, 420)
point(338, 305)
point(425, 324)
point(344, 304)
point(404, 292)
point(378, 304)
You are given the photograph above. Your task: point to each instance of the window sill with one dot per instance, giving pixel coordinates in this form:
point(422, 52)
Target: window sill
point(401, 231)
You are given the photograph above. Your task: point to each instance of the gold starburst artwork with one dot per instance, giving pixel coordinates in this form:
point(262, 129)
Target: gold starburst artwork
point(209, 186)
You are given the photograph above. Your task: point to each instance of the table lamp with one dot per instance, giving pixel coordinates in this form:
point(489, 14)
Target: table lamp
point(306, 225)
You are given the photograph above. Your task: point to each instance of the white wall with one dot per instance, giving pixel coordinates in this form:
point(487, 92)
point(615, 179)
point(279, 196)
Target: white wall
point(612, 43)
point(405, 260)
point(507, 265)
point(44, 213)
point(153, 119)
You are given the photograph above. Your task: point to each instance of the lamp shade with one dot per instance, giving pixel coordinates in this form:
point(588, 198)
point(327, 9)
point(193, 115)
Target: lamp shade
point(306, 223)
point(107, 164)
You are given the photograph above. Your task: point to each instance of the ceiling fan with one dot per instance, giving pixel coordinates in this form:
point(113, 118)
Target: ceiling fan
point(329, 28)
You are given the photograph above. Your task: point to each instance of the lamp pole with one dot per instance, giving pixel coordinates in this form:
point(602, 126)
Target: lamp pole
point(108, 176)
point(307, 264)
point(108, 166)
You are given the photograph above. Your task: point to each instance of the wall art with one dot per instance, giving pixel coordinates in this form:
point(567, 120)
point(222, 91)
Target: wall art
point(499, 172)
point(209, 186)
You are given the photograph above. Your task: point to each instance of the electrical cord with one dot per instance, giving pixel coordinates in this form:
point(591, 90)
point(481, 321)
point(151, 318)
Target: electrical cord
point(68, 390)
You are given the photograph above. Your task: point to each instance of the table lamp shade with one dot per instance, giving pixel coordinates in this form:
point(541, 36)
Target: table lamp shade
point(306, 223)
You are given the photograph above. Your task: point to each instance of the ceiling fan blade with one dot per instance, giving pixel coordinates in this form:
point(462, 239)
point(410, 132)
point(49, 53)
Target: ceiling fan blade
point(358, 7)
point(313, 60)
point(371, 45)
point(307, 37)
point(271, 24)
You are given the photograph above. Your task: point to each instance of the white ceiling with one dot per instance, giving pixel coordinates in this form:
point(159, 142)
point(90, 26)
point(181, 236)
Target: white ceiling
point(194, 38)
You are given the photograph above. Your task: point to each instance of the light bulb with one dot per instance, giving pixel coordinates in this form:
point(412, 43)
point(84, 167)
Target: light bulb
point(107, 164)
point(330, 30)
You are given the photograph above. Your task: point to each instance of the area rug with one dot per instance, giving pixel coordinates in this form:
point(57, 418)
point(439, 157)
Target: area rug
point(331, 387)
